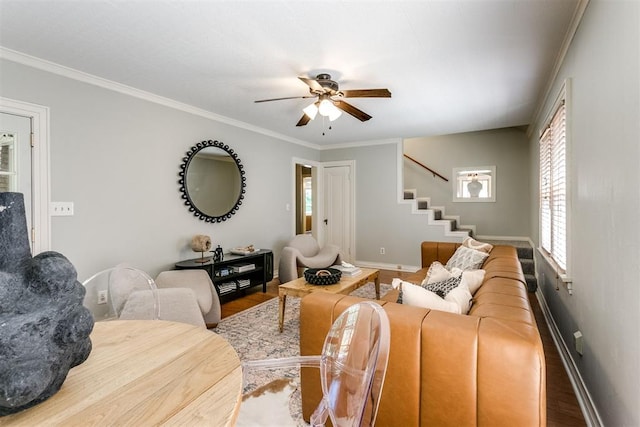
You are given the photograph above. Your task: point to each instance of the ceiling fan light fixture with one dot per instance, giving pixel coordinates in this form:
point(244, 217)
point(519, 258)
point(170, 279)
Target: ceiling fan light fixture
point(311, 111)
point(334, 113)
point(326, 107)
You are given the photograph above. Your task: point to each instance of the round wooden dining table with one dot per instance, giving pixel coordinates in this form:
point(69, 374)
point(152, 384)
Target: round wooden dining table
point(146, 373)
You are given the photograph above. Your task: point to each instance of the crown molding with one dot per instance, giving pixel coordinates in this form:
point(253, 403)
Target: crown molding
point(61, 70)
point(566, 43)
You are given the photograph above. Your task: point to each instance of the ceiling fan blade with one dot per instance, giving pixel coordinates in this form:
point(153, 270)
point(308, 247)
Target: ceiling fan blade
point(288, 97)
point(303, 120)
point(366, 93)
point(348, 108)
point(313, 84)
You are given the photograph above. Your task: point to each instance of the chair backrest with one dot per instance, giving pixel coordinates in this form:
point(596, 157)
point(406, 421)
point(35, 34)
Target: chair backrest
point(306, 244)
point(121, 292)
point(353, 365)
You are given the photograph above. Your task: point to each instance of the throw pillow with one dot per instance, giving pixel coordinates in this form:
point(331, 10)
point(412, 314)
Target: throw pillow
point(471, 243)
point(472, 279)
point(419, 297)
point(461, 297)
point(444, 287)
point(466, 259)
point(437, 273)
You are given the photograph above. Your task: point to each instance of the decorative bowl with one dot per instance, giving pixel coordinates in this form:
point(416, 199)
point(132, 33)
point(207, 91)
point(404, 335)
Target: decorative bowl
point(322, 276)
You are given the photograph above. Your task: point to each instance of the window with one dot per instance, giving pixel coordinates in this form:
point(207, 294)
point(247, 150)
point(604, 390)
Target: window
point(308, 196)
point(553, 187)
point(8, 173)
point(474, 184)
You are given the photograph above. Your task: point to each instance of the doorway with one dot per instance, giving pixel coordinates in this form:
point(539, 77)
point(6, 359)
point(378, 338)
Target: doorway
point(324, 195)
point(305, 186)
point(339, 207)
point(27, 125)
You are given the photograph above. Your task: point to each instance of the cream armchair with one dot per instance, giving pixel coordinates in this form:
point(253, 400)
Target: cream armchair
point(303, 251)
point(200, 283)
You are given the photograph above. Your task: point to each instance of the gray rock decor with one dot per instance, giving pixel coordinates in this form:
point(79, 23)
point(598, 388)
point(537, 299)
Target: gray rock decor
point(44, 328)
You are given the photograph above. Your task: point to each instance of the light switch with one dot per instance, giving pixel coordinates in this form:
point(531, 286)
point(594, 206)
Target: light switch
point(61, 209)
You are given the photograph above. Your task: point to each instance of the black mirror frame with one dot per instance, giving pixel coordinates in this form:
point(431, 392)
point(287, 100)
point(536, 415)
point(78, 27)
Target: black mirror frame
point(183, 181)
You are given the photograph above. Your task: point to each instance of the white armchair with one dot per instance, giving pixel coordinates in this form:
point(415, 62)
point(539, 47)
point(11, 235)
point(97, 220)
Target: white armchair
point(200, 283)
point(303, 251)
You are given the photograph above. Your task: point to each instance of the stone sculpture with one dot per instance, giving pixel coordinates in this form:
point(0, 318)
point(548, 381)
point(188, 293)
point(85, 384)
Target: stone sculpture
point(44, 328)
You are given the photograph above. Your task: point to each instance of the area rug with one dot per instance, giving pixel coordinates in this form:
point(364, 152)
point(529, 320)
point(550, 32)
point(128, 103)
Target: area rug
point(254, 335)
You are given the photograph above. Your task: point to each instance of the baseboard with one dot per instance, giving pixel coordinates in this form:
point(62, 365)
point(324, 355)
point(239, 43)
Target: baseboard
point(589, 411)
point(384, 266)
point(514, 238)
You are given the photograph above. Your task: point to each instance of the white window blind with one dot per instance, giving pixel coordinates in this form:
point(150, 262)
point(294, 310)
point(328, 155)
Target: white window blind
point(553, 189)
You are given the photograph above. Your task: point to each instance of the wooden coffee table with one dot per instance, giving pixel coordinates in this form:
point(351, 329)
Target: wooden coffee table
point(346, 285)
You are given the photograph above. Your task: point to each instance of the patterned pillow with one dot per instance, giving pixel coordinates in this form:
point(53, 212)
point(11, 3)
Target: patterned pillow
point(471, 243)
point(466, 259)
point(444, 287)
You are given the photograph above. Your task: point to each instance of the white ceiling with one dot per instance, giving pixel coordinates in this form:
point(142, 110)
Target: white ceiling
point(451, 66)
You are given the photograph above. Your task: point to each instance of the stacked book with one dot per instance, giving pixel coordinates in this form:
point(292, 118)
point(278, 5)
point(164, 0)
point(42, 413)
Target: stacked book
point(347, 270)
point(241, 268)
point(226, 287)
point(243, 283)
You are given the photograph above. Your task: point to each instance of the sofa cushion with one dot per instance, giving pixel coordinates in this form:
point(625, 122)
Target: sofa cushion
point(466, 259)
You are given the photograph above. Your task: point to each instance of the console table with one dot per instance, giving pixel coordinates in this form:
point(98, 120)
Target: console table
point(146, 372)
point(228, 281)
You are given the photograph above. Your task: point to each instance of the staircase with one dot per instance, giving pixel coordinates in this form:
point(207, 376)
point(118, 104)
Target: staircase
point(452, 228)
point(436, 216)
point(525, 255)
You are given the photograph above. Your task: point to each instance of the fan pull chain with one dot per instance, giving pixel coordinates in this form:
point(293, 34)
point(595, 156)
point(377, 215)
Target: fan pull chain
point(324, 124)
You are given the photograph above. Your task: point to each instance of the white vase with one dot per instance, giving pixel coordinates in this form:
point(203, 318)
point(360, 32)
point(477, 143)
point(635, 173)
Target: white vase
point(474, 187)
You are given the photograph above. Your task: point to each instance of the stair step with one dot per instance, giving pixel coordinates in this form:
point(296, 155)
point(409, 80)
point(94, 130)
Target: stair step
point(408, 195)
point(467, 230)
point(423, 204)
point(525, 252)
point(528, 266)
point(437, 214)
point(532, 283)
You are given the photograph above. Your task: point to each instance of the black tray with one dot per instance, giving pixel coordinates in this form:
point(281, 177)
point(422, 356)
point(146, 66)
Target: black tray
point(310, 275)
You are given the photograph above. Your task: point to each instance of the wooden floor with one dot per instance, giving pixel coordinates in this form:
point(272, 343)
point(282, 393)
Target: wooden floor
point(562, 405)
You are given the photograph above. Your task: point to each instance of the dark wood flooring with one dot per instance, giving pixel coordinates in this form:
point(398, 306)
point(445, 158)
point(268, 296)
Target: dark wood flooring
point(562, 405)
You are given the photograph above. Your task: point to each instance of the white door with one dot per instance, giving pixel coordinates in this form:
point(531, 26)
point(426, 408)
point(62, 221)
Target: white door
point(15, 158)
point(338, 205)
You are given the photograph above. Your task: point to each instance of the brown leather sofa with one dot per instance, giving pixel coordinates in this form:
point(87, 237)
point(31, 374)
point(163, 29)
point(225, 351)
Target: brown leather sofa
point(486, 368)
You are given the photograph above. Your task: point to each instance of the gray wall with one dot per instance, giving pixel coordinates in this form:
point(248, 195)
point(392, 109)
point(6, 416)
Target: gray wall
point(507, 149)
point(117, 158)
point(380, 220)
point(603, 63)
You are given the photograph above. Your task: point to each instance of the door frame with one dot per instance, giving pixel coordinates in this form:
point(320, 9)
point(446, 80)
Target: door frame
point(351, 164)
point(40, 171)
point(318, 205)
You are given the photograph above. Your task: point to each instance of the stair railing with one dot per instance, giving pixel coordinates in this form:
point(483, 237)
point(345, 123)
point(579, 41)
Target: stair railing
point(427, 168)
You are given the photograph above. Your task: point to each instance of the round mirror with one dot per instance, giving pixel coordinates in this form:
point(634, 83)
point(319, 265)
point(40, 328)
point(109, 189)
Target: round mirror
point(212, 181)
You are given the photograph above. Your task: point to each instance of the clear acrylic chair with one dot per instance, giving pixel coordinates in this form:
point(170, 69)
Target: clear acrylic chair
point(122, 292)
point(352, 366)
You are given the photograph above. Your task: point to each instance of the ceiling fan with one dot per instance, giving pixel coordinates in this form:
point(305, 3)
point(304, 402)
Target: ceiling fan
point(331, 100)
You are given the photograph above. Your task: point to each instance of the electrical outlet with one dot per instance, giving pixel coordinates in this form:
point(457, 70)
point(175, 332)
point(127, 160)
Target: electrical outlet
point(102, 297)
point(399, 267)
point(381, 251)
point(578, 342)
